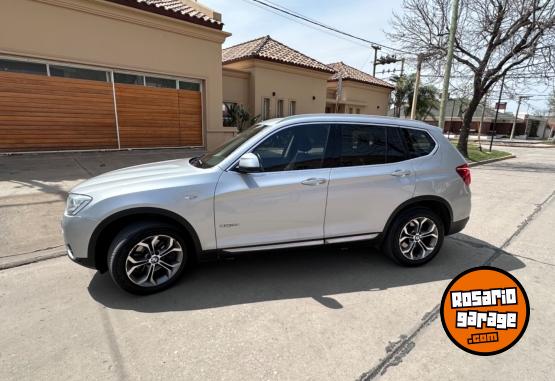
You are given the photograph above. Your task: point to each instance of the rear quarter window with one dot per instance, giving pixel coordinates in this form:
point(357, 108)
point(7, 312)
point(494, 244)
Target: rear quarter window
point(419, 143)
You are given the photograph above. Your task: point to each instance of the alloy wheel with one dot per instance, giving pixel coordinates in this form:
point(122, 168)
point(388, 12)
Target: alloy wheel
point(154, 260)
point(418, 238)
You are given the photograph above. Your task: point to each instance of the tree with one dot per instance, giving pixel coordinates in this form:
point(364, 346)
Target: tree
point(494, 38)
point(428, 97)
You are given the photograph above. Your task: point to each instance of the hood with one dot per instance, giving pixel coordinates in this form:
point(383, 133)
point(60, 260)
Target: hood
point(139, 178)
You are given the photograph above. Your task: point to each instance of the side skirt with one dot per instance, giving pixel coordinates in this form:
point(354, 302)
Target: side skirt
point(227, 252)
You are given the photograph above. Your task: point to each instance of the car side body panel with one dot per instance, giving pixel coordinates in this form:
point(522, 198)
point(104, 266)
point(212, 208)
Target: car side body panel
point(272, 207)
point(361, 198)
point(436, 176)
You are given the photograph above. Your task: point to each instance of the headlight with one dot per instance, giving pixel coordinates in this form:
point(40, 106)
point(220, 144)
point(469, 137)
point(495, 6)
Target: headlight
point(76, 202)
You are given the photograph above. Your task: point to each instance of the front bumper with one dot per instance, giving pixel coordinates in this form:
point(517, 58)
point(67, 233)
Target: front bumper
point(77, 232)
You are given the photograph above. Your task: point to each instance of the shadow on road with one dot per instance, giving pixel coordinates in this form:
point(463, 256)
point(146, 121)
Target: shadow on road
point(317, 273)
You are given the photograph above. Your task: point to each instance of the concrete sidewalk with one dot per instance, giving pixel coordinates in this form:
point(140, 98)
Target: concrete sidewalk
point(506, 142)
point(33, 189)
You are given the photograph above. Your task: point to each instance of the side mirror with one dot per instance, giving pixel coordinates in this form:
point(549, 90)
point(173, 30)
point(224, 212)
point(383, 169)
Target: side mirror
point(249, 163)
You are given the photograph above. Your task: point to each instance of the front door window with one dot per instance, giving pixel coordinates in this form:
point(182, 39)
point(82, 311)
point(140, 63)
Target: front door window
point(294, 148)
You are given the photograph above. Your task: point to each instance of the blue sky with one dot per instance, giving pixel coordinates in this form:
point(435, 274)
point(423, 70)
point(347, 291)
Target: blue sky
point(365, 18)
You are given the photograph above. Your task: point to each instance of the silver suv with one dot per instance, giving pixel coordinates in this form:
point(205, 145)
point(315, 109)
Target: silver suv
point(292, 182)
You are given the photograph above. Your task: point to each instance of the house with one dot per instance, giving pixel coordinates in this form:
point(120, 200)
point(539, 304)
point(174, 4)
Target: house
point(273, 80)
point(454, 111)
point(353, 91)
point(109, 74)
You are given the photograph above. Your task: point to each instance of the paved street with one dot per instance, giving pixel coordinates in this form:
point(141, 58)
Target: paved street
point(310, 314)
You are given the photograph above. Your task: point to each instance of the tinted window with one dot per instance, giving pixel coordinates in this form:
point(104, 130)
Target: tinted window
point(395, 145)
point(361, 145)
point(78, 73)
point(160, 82)
point(22, 67)
point(419, 143)
point(192, 86)
point(294, 148)
point(130, 79)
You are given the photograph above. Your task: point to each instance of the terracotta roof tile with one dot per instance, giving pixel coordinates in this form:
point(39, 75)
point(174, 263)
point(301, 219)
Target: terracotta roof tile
point(346, 72)
point(269, 49)
point(173, 8)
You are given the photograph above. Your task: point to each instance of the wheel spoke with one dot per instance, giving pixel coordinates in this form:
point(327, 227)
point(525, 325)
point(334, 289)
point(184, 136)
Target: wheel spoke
point(143, 244)
point(136, 262)
point(421, 223)
point(425, 248)
point(167, 267)
point(406, 232)
point(130, 271)
point(151, 278)
point(170, 265)
point(153, 244)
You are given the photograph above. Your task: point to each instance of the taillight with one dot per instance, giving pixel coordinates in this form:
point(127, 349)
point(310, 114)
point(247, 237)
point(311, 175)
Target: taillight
point(464, 173)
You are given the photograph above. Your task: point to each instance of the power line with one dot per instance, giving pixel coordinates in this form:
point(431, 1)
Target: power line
point(322, 25)
point(306, 24)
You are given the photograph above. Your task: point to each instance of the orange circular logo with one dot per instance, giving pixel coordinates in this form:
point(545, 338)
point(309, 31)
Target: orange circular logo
point(485, 311)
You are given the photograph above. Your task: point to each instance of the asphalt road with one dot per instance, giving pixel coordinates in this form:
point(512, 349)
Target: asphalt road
point(297, 315)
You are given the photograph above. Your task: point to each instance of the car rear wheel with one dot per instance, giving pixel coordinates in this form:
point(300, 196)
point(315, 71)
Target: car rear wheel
point(147, 257)
point(415, 237)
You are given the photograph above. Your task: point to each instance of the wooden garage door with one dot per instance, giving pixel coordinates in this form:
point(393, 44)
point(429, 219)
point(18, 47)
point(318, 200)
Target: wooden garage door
point(153, 117)
point(50, 113)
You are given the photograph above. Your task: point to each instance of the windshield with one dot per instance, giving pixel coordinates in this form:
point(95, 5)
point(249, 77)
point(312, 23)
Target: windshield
point(212, 158)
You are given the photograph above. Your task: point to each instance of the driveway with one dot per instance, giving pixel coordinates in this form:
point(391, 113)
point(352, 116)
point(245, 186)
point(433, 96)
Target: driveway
point(33, 190)
point(306, 314)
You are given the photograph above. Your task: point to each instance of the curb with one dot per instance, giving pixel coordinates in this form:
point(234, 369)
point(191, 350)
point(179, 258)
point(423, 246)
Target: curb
point(524, 145)
point(31, 259)
point(476, 163)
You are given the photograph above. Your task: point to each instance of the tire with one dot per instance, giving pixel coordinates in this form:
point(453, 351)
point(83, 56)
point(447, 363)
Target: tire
point(131, 251)
point(398, 240)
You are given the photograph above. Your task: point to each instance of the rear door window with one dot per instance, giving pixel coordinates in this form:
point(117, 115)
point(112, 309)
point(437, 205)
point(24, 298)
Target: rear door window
point(419, 143)
point(361, 145)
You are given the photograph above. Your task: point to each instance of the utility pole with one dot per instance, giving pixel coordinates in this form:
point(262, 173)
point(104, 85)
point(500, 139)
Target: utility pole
point(338, 93)
point(416, 86)
point(448, 64)
point(520, 98)
point(451, 121)
point(496, 113)
point(376, 48)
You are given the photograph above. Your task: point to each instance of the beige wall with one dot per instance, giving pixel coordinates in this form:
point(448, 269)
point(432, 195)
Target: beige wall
point(236, 86)
point(95, 32)
point(372, 100)
point(288, 82)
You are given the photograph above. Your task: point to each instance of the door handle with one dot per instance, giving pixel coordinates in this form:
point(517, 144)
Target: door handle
point(313, 181)
point(400, 173)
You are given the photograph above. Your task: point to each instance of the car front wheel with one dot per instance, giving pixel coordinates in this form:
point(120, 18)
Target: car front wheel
point(415, 237)
point(147, 257)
